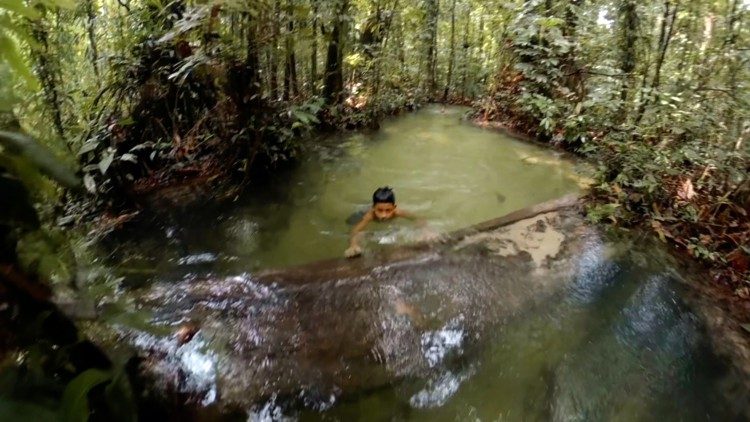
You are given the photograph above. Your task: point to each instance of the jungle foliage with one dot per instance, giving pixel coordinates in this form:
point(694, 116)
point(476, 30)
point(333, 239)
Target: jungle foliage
point(657, 94)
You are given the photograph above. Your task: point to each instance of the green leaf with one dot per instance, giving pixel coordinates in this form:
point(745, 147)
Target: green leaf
point(18, 7)
point(75, 401)
point(89, 183)
point(9, 54)
point(30, 150)
point(129, 157)
point(88, 147)
point(106, 160)
point(119, 396)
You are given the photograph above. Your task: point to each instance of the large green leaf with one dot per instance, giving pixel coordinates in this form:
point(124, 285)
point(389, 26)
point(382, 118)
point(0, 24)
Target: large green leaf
point(9, 54)
point(75, 401)
point(119, 396)
point(18, 7)
point(41, 157)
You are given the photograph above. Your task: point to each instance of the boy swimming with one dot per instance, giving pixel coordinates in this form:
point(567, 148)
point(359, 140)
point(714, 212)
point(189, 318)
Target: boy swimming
point(383, 208)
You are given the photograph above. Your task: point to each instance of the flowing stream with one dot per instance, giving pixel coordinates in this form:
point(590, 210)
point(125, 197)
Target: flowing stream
point(617, 341)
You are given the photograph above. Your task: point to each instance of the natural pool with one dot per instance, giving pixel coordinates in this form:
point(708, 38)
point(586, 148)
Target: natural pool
point(447, 171)
point(606, 331)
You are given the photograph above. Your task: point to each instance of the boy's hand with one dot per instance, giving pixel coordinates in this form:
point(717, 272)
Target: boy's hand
point(353, 251)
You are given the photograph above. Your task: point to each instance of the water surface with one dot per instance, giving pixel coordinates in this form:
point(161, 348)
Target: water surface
point(442, 168)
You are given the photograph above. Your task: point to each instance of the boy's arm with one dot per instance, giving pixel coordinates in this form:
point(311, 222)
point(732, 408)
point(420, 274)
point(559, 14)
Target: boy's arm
point(354, 248)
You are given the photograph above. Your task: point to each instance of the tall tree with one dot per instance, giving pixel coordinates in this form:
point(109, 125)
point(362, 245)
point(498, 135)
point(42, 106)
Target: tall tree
point(314, 48)
point(452, 56)
point(432, 12)
point(334, 73)
point(628, 34)
point(291, 87)
point(48, 70)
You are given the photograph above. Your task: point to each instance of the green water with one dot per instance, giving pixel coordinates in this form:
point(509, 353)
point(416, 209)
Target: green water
point(447, 171)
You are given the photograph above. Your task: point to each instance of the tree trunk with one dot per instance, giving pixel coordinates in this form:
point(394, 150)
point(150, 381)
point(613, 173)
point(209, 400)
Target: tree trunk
point(91, 30)
point(432, 12)
point(314, 50)
point(252, 65)
point(291, 88)
point(628, 22)
point(452, 57)
point(466, 55)
point(273, 57)
point(334, 73)
point(48, 74)
point(665, 34)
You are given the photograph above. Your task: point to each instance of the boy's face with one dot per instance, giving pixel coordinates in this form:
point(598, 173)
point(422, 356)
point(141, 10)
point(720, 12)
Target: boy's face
point(384, 210)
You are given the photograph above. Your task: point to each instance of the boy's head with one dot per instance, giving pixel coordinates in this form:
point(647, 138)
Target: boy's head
point(384, 203)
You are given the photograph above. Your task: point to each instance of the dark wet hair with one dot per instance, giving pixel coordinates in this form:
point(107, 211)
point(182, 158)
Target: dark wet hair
point(384, 194)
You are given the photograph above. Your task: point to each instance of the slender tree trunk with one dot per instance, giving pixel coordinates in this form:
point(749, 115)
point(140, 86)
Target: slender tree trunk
point(466, 54)
point(401, 53)
point(314, 50)
point(91, 30)
point(452, 57)
point(252, 64)
point(334, 73)
point(433, 10)
point(48, 73)
point(628, 22)
point(665, 34)
point(273, 59)
point(291, 88)
point(734, 67)
point(480, 42)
